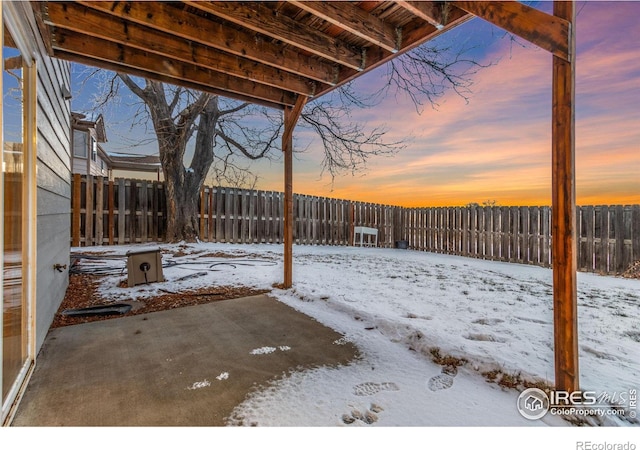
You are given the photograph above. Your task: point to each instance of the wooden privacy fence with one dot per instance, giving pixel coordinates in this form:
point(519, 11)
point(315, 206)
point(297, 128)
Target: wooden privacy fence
point(123, 211)
point(128, 211)
point(251, 216)
point(608, 236)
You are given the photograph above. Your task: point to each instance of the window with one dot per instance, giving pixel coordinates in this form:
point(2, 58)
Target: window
point(94, 149)
point(14, 308)
point(17, 204)
point(80, 144)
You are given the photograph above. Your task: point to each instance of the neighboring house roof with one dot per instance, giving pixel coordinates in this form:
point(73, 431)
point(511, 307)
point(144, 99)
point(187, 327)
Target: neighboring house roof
point(79, 121)
point(101, 133)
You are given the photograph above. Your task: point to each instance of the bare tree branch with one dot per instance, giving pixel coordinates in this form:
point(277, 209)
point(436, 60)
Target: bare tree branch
point(176, 99)
point(132, 85)
point(426, 73)
point(347, 145)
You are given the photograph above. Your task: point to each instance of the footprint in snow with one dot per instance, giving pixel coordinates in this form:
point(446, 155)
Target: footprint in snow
point(370, 388)
point(440, 382)
point(369, 416)
point(444, 380)
point(598, 354)
point(487, 321)
point(484, 337)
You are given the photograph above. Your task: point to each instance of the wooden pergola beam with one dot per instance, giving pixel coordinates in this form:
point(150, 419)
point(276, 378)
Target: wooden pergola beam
point(354, 20)
point(546, 31)
point(161, 76)
point(101, 25)
point(89, 61)
point(563, 212)
point(163, 16)
point(264, 20)
point(73, 42)
point(431, 12)
point(291, 116)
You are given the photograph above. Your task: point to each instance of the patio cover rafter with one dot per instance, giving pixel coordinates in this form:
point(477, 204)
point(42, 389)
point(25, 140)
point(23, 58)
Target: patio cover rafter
point(217, 37)
point(355, 20)
point(163, 45)
point(435, 13)
point(265, 20)
point(270, 52)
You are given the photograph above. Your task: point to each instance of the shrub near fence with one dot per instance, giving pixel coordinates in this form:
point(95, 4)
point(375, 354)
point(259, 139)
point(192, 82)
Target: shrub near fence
point(133, 211)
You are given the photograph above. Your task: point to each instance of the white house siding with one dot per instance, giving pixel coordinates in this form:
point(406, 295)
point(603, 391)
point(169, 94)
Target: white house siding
point(96, 168)
point(79, 166)
point(53, 178)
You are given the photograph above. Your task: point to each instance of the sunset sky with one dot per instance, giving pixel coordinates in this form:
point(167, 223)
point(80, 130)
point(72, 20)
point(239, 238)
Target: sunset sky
point(498, 145)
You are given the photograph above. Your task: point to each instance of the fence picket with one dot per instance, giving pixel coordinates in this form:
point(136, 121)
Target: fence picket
point(99, 210)
point(144, 214)
point(76, 212)
point(618, 232)
point(88, 208)
point(111, 222)
point(121, 210)
point(211, 225)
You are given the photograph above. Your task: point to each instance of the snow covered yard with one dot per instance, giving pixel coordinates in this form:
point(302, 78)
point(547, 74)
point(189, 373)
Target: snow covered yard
point(445, 341)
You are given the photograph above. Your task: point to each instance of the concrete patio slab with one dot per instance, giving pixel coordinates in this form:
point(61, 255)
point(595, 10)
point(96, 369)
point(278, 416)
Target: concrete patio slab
point(182, 367)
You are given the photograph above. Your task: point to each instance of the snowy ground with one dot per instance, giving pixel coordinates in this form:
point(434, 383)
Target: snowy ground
point(401, 308)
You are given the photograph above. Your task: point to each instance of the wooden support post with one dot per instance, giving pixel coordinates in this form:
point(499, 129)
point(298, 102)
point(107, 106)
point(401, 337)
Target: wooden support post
point(563, 214)
point(291, 116)
point(558, 37)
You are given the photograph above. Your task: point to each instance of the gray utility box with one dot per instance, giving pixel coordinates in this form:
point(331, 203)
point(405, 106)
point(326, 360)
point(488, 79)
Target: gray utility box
point(144, 266)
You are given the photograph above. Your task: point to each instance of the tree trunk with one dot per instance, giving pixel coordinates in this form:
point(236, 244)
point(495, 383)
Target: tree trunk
point(183, 184)
point(173, 130)
point(182, 196)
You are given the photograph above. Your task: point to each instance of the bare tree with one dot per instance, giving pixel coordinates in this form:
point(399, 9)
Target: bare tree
point(179, 114)
point(222, 129)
